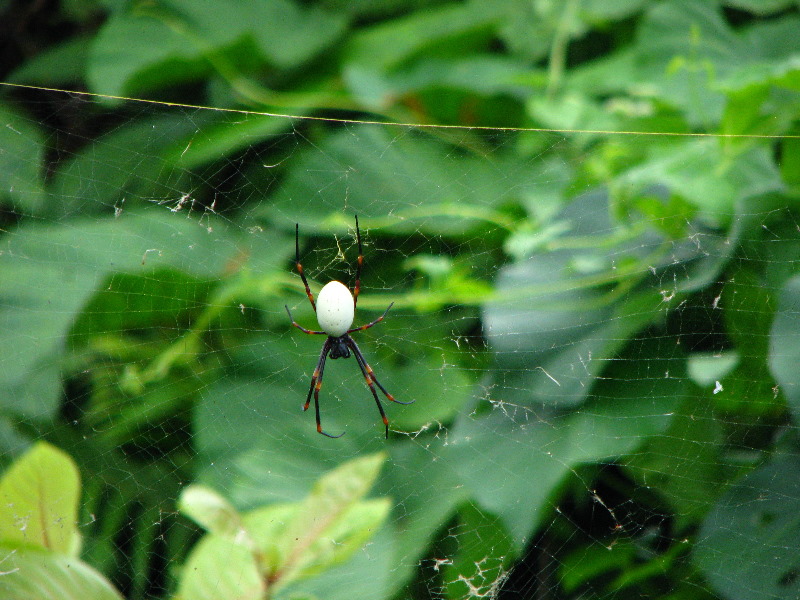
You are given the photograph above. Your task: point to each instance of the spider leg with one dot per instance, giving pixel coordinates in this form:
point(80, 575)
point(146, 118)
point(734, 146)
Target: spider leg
point(300, 266)
point(316, 385)
point(371, 373)
point(300, 327)
point(369, 376)
point(372, 389)
point(357, 289)
point(375, 322)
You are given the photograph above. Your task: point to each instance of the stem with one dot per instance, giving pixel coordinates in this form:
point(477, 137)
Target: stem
point(558, 49)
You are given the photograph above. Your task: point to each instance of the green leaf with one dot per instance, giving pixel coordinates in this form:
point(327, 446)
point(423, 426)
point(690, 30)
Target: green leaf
point(254, 426)
point(424, 186)
point(291, 541)
point(40, 493)
point(219, 569)
point(133, 53)
point(748, 308)
point(772, 47)
point(748, 546)
point(331, 523)
point(369, 573)
point(761, 7)
point(484, 552)
point(683, 47)
point(516, 451)
point(230, 133)
point(386, 45)
point(784, 344)
point(685, 463)
point(179, 40)
point(30, 574)
point(431, 492)
point(438, 393)
point(594, 560)
point(572, 111)
point(529, 28)
point(21, 163)
point(51, 272)
point(790, 164)
point(602, 10)
point(485, 75)
point(214, 513)
point(334, 541)
point(128, 168)
point(569, 310)
point(702, 172)
point(706, 368)
point(59, 65)
point(365, 574)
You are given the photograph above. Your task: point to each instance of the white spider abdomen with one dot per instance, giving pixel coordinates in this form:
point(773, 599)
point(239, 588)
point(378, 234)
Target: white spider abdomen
point(335, 309)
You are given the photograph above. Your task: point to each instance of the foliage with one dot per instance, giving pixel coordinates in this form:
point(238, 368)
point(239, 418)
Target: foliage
point(600, 329)
point(254, 555)
point(39, 537)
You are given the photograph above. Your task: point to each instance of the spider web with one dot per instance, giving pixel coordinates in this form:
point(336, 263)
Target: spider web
point(596, 375)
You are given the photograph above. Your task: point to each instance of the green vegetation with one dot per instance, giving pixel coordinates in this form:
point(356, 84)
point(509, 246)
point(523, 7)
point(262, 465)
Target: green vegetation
point(595, 270)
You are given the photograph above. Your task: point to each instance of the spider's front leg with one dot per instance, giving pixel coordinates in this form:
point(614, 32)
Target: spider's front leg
point(299, 266)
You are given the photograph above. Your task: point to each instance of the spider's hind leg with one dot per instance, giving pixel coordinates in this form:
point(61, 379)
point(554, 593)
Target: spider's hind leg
point(316, 385)
point(369, 376)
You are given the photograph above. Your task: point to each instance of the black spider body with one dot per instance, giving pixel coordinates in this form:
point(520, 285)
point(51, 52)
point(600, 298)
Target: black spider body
point(339, 346)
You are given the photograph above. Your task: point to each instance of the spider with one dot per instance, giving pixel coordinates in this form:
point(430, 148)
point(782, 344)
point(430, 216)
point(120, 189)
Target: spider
point(335, 308)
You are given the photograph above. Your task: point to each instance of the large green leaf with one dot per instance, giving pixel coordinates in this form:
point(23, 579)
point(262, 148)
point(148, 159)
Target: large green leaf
point(691, 56)
point(485, 551)
point(227, 134)
point(30, 574)
point(130, 166)
point(21, 162)
point(218, 568)
point(39, 493)
point(761, 7)
point(484, 75)
point(420, 182)
point(59, 65)
point(431, 491)
point(51, 272)
point(180, 40)
point(260, 447)
point(255, 428)
point(518, 451)
point(386, 45)
point(749, 545)
point(683, 47)
point(784, 344)
point(685, 463)
point(561, 314)
point(711, 177)
point(772, 52)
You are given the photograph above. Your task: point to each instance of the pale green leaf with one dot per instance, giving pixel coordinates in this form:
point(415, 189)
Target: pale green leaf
point(332, 523)
point(213, 512)
point(29, 574)
point(39, 494)
point(220, 569)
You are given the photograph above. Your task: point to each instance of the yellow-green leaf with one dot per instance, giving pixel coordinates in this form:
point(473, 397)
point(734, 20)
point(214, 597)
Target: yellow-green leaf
point(39, 497)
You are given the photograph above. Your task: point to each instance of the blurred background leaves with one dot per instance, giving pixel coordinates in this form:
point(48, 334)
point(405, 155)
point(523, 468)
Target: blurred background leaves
point(599, 329)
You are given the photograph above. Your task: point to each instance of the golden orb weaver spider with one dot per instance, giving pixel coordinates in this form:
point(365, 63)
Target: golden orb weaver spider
point(335, 309)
